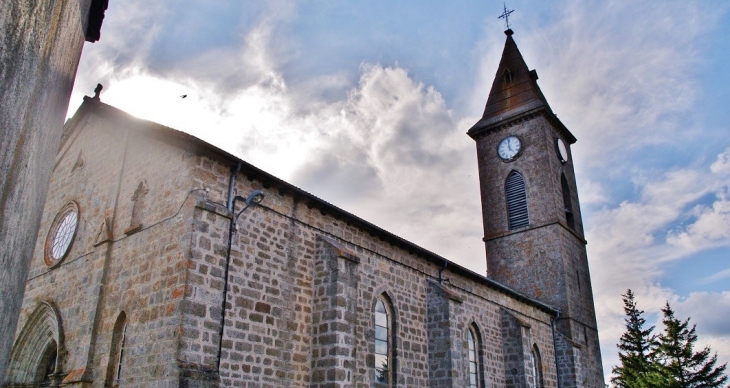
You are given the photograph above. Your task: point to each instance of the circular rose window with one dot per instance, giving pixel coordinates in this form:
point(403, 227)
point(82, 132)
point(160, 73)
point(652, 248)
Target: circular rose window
point(61, 234)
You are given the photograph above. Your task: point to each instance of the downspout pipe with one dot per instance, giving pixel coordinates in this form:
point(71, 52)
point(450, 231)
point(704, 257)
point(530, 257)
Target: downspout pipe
point(441, 272)
point(232, 182)
point(252, 200)
point(231, 232)
point(555, 346)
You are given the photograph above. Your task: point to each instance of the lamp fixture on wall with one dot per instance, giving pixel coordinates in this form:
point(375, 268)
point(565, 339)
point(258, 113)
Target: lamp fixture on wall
point(253, 199)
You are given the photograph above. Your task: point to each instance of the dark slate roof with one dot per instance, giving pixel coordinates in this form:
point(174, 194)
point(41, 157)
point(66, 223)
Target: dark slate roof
point(514, 93)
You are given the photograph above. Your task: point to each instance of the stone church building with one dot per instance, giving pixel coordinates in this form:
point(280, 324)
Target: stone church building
point(163, 261)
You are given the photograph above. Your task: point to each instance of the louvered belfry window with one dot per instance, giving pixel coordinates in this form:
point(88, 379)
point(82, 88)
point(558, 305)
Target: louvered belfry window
point(516, 201)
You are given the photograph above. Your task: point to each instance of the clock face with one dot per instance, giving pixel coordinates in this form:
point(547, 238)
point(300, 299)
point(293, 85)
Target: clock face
point(562, 150)
point(509, 147)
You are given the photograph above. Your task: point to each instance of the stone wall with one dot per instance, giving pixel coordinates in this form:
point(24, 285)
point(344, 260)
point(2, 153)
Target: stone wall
point(546, 260)
point(40, 45)
point(540, 168)
point(290, 319)
point(304, 278)
point(334, 316)
point(445, 343)
point(122, 258)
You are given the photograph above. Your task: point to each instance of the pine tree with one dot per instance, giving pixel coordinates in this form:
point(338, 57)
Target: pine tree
point(679, 365)
point(636, 349)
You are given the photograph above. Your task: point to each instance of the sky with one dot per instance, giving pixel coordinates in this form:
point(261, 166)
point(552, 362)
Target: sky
point(366, 105)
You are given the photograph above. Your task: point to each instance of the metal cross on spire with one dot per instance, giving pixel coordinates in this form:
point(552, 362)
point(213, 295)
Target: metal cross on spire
point(505, 15)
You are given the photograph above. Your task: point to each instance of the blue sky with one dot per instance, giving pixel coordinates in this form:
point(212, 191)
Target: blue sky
point(366, 104)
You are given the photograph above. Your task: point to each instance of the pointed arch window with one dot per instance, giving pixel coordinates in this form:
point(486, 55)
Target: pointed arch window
point(567, 203)
point(516, 194)
point(382, 319)
point(507, 76)
point(475, 379)
point(116, 351)
point(537, 367)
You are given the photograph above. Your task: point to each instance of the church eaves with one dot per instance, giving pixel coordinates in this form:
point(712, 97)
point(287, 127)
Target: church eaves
point(163, 133)
point(514, 92)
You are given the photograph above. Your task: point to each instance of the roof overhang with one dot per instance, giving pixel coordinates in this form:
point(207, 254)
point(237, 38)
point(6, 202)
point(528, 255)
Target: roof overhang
point(490, 124)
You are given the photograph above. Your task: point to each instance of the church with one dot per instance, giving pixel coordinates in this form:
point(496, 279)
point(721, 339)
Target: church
point(163, 261)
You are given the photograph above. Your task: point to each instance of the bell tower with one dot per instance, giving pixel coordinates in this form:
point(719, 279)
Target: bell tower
point(533, 230)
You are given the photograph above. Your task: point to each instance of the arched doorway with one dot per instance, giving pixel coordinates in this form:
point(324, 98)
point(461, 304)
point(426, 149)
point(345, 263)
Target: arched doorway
point(34, 360)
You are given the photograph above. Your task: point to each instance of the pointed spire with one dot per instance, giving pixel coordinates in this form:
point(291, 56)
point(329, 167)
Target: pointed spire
point(514, 90)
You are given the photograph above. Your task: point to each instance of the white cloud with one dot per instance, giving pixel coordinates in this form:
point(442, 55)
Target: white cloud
point(711, 228)
point(710, 308)
point(618, 82)
point(392, 151)
point(127, 37)
point(393, 155)
point(631, 243)
point(624, 85)
point(633, 225)
point(722, 164)
point(593, 193)
point(722, 275)
point(709, 311)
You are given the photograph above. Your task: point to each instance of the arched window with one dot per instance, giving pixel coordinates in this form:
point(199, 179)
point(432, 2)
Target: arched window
point(537, 367)
point(567, 203)
point(382, 319)
point(516, 195)
point(116, 351)
point(475, 362)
